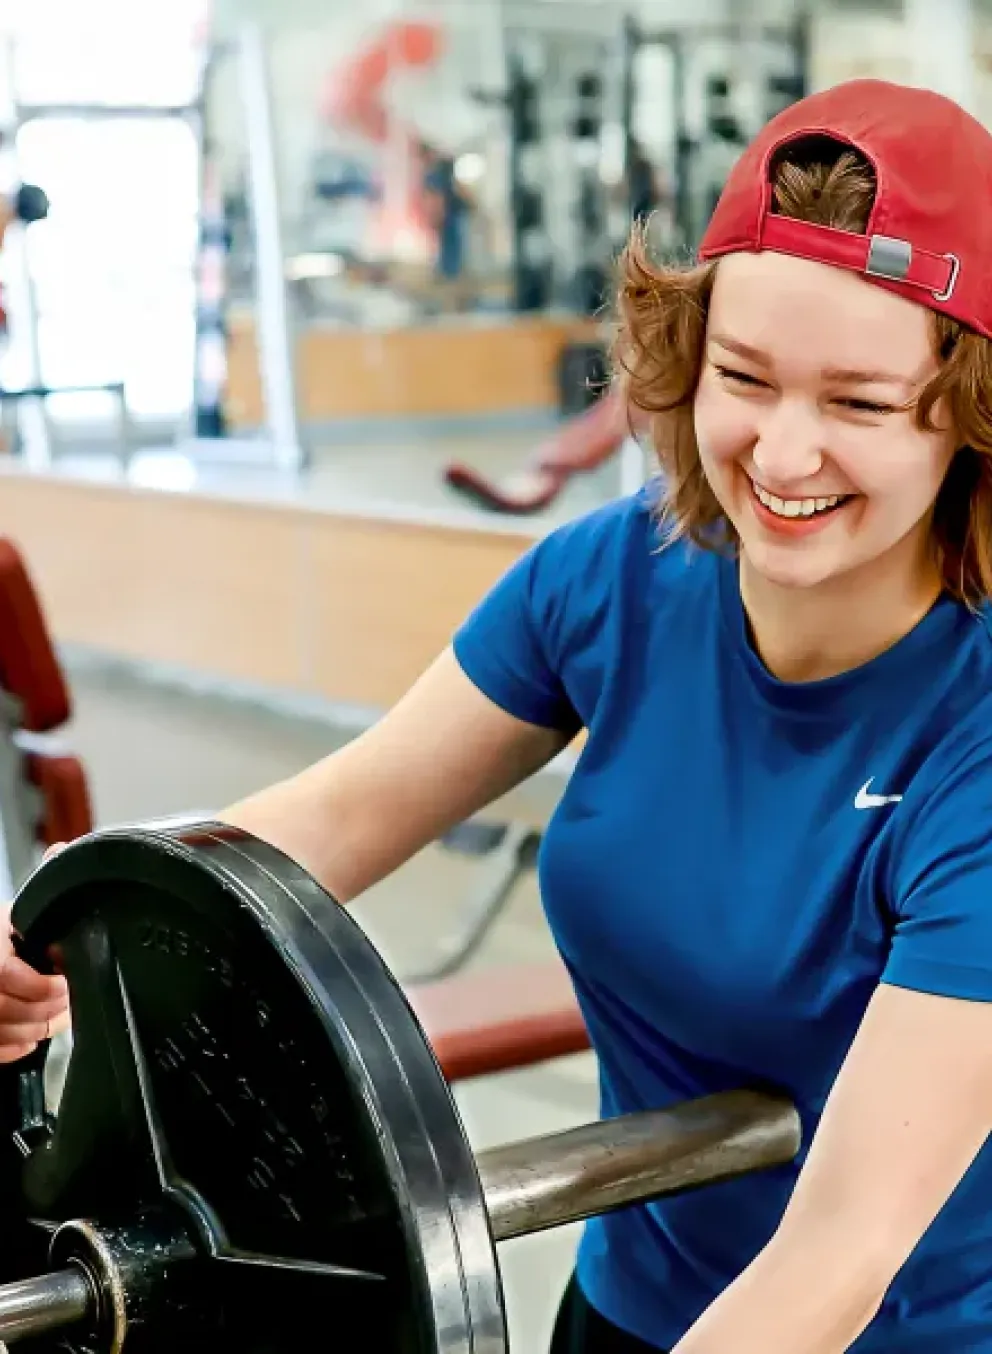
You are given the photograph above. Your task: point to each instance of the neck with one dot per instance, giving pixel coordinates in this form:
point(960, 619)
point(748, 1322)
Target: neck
point(808, 634)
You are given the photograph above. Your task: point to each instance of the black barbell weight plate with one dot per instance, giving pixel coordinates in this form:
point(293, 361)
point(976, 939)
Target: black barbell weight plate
point(246, 1071)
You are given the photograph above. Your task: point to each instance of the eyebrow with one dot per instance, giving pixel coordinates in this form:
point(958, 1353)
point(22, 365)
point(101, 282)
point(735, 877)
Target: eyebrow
point(842, 374)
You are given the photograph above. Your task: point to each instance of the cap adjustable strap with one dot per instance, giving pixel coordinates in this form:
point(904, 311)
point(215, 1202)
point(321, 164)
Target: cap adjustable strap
point(874, 255)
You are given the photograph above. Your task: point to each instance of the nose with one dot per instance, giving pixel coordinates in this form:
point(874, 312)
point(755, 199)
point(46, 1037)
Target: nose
point(787, 449)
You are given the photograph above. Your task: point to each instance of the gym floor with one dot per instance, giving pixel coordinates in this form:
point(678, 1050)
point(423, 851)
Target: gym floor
point(158, 750)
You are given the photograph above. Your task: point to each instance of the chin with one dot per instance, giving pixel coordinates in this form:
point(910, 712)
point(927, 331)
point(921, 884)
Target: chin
point(791, 568)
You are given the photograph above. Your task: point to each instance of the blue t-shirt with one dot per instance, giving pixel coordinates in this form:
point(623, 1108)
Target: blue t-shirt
point(726, 892)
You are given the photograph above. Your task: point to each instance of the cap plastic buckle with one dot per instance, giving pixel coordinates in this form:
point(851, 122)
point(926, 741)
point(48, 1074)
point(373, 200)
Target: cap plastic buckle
point(948, 291)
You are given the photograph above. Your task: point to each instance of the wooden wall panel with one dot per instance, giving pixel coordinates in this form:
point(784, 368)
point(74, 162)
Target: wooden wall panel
point(424, 371)
point(351, 609)
point(209, 585)
point(389, 595)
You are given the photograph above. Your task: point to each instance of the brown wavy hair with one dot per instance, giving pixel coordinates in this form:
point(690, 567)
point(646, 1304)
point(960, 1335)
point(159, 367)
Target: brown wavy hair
point(658, 356)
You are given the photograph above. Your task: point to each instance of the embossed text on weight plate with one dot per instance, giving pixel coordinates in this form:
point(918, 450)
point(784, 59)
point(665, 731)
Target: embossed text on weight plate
point(194, 1051)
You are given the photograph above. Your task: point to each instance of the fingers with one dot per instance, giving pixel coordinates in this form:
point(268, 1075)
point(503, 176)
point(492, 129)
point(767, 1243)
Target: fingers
point(10, 1053)
point(33, 1006)
point(20, 1036)
point(23, 1028)
point(13, 1011)
point(20, 980)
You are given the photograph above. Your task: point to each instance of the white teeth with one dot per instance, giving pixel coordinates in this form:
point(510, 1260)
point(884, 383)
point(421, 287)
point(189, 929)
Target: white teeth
point(795, 507)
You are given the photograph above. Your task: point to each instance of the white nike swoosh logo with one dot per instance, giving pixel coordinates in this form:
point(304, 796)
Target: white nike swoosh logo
point(864, 800)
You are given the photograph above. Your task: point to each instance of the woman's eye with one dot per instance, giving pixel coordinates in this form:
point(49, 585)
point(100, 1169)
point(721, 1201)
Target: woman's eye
point(740, 377)
point(867, 407)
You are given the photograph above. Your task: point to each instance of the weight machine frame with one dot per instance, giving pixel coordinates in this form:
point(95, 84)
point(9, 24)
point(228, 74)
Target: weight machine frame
point(676, 40)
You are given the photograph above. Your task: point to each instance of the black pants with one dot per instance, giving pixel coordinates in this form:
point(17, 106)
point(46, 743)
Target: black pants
point(580, 1329)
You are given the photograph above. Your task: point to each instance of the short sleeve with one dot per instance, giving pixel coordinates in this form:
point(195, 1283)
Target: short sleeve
point(524, 642)
point(942, 886)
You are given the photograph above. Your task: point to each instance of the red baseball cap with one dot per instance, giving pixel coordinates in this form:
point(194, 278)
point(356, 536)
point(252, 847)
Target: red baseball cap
point(930, 233)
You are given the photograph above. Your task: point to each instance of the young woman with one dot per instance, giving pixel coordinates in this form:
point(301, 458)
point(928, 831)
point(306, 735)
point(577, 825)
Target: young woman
point(773, 863)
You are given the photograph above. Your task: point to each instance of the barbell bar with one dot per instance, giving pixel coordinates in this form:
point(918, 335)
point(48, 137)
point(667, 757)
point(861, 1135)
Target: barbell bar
point(254, 1132)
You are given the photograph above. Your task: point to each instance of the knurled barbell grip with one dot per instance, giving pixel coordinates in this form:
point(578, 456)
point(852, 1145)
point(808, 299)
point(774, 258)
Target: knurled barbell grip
point(566, 1177)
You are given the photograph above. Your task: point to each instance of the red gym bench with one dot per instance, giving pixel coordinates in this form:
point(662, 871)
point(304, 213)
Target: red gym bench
point(44, 796)
point(490, 1020)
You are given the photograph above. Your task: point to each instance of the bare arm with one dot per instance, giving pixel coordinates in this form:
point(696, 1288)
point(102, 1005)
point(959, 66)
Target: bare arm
point(441, 754)
point(910, 1110)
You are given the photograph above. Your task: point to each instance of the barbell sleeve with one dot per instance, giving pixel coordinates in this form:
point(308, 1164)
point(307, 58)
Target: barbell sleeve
point(49, 1302)
point(570, 1176)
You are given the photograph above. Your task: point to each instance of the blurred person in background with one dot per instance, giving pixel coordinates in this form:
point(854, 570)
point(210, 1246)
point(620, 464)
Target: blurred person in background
point(448, 207)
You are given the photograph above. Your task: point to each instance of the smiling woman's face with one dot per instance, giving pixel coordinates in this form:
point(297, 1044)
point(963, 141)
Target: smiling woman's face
point(805, 418)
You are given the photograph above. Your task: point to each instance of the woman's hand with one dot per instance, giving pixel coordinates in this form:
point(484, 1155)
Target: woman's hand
point(33, 1006)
